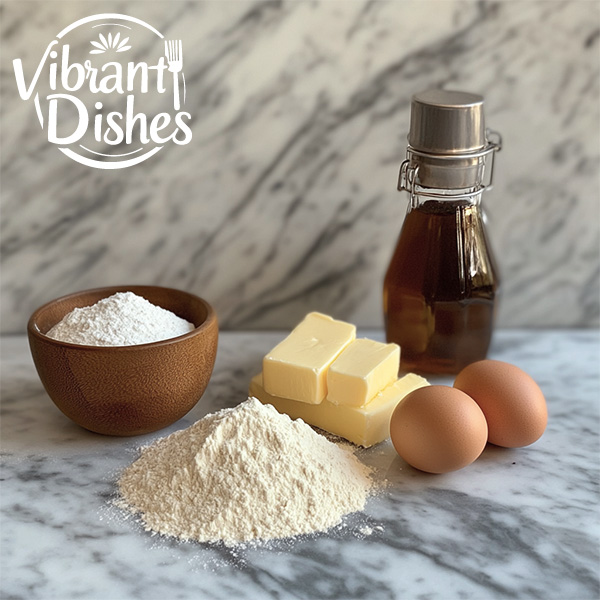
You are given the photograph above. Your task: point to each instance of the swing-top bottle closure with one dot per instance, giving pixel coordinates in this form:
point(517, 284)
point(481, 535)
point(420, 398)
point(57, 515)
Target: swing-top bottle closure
point(448, 146)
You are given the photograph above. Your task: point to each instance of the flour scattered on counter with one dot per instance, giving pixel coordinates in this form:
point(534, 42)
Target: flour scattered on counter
point(123, 319)
point(244, 474)
point(366, 530)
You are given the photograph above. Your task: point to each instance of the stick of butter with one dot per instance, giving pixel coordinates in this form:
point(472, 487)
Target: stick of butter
point(297, 367)
point(364, 368)
point(363, 425)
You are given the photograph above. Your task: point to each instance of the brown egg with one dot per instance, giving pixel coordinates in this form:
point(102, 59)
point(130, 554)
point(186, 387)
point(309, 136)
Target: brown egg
point(512, 402)
point(438, 429)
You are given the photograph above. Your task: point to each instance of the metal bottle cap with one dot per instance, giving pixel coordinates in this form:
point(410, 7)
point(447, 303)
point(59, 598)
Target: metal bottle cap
point(447, 122)
point(448, 144)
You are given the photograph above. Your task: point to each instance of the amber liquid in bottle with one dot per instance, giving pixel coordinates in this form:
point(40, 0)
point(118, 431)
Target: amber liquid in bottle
point(441, 286)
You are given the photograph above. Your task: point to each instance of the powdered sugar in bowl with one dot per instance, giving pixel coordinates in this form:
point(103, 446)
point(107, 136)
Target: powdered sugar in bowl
point(126, 389)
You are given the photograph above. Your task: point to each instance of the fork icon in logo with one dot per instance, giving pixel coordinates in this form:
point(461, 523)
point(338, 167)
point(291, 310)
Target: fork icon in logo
point(174, 55)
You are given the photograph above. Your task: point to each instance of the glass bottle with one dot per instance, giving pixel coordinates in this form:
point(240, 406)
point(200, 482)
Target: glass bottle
point(441, 286)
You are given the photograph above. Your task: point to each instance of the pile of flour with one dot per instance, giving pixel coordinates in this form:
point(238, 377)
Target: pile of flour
point(123, 319)
point(241, 474)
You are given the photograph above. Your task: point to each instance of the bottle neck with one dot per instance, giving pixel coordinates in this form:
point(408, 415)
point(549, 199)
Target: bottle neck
point(470, 196)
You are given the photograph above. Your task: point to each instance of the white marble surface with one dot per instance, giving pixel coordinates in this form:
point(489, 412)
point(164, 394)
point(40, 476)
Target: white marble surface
point(285, 200)
point(515, 524)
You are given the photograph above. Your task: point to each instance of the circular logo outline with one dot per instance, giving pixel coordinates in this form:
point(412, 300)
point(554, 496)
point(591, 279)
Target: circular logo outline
point(90, 162)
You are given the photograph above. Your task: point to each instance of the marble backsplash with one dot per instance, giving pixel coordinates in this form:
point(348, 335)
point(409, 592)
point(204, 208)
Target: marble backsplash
point(284, 201)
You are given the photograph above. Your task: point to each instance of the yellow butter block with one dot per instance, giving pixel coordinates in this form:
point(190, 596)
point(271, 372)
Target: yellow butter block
point(363, 425)
point(363, 368)
point(297, 367)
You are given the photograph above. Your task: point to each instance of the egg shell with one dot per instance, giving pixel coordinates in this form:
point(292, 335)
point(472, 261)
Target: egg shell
point(512, 402)
point(438, 429)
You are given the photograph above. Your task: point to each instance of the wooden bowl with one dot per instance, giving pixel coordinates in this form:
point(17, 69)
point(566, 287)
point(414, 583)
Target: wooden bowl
point(126, 390)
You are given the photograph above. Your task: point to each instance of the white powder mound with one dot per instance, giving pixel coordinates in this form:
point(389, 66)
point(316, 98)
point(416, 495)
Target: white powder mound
point(241, 474)
point(123, 319)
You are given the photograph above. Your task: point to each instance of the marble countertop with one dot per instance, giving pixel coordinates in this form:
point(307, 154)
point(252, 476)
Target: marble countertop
point(515, 524)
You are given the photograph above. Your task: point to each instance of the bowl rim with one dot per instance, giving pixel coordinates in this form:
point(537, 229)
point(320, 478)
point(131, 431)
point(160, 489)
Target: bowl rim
point(32, 328)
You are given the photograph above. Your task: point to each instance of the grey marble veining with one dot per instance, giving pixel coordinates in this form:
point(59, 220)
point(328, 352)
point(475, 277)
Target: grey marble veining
point(515, 524)
point(285, 199)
